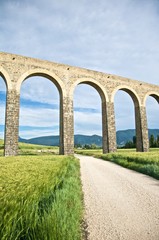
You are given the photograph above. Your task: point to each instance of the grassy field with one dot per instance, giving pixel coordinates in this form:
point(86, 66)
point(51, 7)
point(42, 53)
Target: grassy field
point(40, 192)
point(147, 163)
point(41, 198)
point(32, 149)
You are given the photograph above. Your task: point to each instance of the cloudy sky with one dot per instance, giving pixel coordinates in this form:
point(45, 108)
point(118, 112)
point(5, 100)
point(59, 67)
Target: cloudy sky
point(112, 36)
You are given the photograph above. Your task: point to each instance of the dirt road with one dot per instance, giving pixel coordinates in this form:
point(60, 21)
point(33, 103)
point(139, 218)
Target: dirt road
point(119, 203)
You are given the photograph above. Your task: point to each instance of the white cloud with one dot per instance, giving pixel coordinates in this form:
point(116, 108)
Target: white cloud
point(124, 111)
point(40, 89)
point(86, 96)
point(122, 39)
point(88, 124)
point(2, 114)
point(37, 133)
point(35, 117)
point(119, 37)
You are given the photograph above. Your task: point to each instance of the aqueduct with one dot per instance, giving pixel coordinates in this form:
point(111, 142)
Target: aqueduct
point(15, 69)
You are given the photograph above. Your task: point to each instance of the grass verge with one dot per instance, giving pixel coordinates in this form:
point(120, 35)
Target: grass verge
point(41, 198)
point(146, 162)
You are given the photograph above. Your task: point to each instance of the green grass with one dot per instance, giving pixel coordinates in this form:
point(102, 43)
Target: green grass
point(146, 162)
point(33, 149)
point(41, 198)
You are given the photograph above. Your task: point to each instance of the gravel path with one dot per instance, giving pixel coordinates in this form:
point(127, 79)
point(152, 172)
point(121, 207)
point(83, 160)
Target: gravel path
point(119, 203)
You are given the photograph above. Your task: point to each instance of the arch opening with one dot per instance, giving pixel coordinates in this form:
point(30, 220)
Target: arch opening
point(152, 111)
point(41, 73)
point(124, 103)
point(45, 76)
point(3, 90)
point(39, 111)
point(88, 99)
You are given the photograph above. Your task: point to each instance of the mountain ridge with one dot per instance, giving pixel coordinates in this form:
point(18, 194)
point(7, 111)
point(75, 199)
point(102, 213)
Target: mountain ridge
point(123, 136)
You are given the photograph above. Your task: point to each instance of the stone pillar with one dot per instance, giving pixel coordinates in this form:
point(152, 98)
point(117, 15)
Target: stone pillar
point(109, 130)
point(66, 126)
point(142, 141)
point(12, 123)
point(105, 128)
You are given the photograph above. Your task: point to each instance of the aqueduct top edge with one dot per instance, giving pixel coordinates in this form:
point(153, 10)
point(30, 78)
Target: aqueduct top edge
point(16, 66)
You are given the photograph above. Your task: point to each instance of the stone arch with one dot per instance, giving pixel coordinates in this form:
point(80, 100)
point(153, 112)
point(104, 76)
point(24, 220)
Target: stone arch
point(104, 100)
point(90, 81)
point(130, 91)
point(140, 118)
point(58, 83)
point(43, 73)
point(4, 74)
point(151, 110)
point(151, 94)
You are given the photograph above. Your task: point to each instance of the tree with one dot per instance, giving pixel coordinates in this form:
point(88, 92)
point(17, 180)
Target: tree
point(157, 141)
point(93, 146)
point(152, 141)
point(134, 141)
point(86, 146)
point(131, 144)
point(78, 145)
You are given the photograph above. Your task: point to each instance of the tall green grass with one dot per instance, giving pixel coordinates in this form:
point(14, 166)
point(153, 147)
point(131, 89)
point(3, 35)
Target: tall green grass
point(40, 198)
point(146, 162)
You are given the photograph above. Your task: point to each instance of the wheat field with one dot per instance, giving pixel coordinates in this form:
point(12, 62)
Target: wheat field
point(40, 198)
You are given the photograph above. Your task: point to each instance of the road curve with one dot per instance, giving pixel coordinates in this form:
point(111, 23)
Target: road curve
point(119, 203)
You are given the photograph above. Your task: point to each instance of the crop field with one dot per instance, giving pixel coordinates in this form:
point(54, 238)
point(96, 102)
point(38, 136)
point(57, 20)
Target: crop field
point(32, 149)
point(40, 191)
point(146, 162)
point(40, 197)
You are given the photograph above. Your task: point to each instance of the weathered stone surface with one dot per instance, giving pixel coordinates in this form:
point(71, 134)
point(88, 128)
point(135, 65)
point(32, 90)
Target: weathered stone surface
point(12, 123)
point(15, 69)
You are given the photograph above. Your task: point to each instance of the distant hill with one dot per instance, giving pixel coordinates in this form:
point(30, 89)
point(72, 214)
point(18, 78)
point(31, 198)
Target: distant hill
point(83, 139)
point(54, 140)
point(123, 136)
point(48, 140)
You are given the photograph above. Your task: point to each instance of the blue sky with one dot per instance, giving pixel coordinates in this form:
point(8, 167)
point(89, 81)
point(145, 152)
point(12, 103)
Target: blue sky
point(118, 37)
